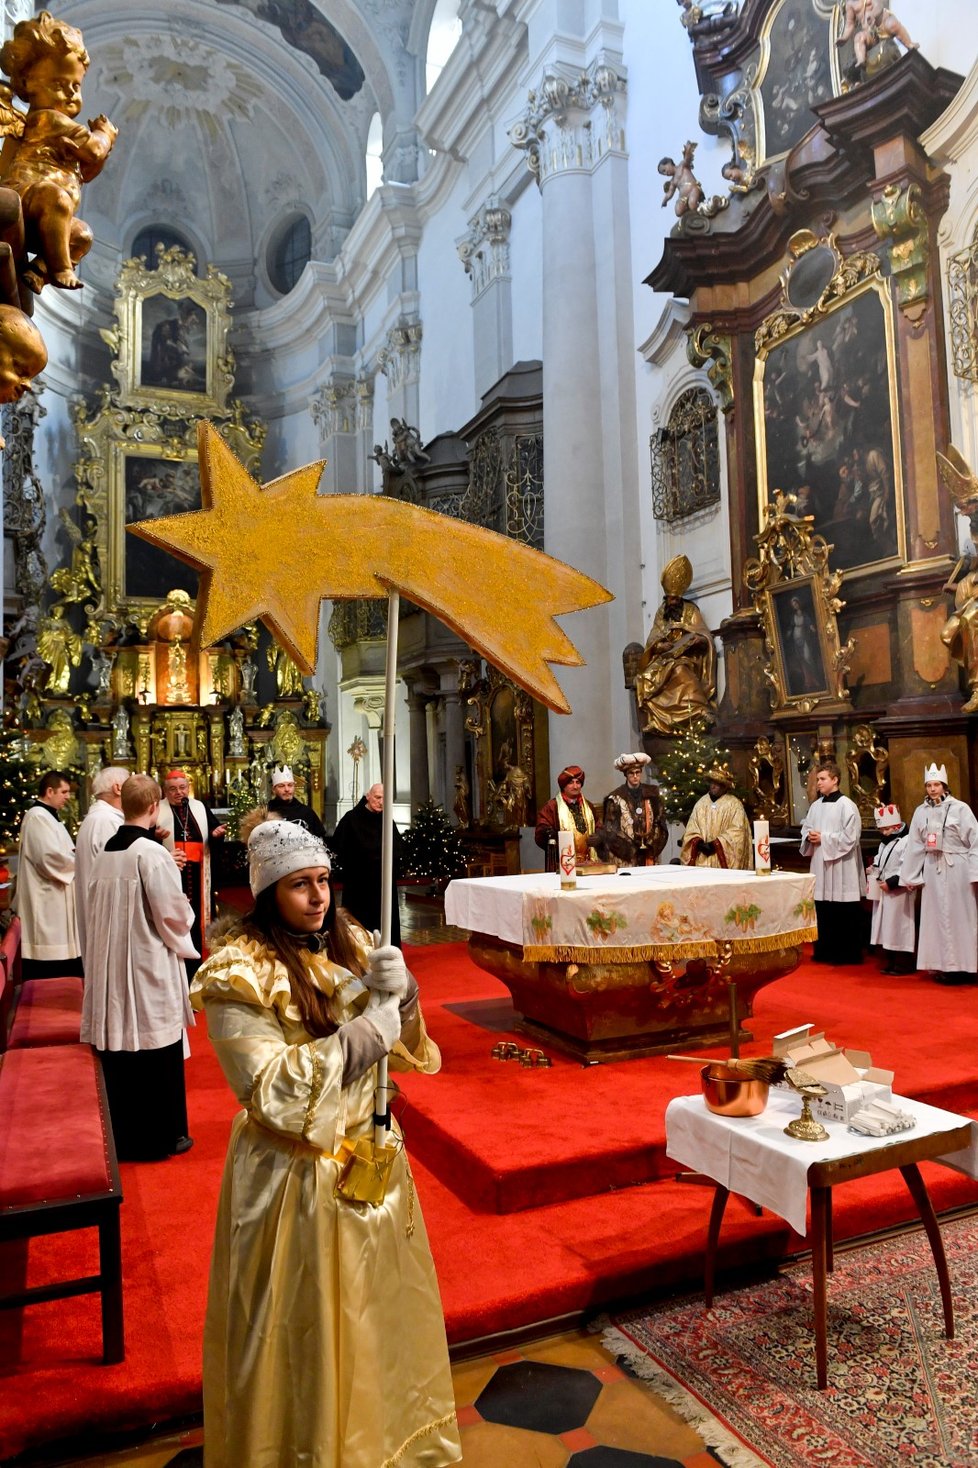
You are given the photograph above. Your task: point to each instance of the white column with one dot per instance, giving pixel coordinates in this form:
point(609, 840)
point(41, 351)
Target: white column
point(573, 136)
point(484, 252)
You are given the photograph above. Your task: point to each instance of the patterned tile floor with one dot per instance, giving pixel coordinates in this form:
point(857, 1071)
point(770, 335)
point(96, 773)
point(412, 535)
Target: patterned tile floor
point(561, 1402)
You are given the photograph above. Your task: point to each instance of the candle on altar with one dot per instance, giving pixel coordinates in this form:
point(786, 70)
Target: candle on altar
point(762, 849)
point(566, 860)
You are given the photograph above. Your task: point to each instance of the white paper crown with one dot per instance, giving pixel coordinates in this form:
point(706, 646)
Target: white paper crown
point(887, 815)
point(935, 772)
point(281, 775)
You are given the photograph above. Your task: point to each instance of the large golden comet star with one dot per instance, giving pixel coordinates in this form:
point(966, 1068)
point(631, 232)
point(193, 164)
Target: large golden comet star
point(275, 551)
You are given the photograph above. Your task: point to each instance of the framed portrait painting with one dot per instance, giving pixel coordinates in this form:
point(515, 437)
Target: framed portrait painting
point(170, 337)
point(144, 484)
point(827, 424)
point(796, 630)
point(173, 344)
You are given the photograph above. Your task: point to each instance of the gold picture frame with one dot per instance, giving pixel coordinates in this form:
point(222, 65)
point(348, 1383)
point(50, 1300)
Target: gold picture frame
point(826, 408)
point(796, 617)
point(797, 41)
point(170, 340)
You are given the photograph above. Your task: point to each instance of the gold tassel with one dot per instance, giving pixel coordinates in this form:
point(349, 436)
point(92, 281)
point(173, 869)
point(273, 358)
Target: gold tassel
point(664, 952)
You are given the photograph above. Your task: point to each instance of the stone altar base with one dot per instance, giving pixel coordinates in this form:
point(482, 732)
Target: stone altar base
point(618, 1011)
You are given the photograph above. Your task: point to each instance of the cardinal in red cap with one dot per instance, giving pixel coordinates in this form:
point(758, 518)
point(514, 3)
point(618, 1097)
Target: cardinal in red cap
point(569, 811)
point(188, 828)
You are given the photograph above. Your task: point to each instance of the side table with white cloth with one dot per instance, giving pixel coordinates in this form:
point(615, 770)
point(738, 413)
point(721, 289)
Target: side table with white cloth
point(752, 1156)
point(636, 962)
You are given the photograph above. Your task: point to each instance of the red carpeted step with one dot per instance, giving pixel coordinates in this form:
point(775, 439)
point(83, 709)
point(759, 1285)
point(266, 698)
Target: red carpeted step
point(506, 1138)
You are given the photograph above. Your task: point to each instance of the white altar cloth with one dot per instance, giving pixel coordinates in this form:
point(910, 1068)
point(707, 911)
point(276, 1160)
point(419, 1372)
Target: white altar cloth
point(665, 913)
point(751, 1155)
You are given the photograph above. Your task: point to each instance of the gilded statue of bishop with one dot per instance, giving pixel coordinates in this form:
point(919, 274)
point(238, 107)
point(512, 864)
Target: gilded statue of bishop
point(675, 683)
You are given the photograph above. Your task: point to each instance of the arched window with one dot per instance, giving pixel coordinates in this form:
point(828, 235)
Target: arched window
point(375, 154)
point(290, 253)
point(147, 240)
point(443, 35)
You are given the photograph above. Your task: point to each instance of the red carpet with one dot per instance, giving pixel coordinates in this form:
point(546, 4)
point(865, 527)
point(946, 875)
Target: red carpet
point(550, 1147)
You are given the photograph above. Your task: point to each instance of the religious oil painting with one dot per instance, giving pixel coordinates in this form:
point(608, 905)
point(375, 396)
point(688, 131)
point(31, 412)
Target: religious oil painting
point(151, 486)
point(174, 345)
point(798, 69)
point(800, 647)
point(827, 427)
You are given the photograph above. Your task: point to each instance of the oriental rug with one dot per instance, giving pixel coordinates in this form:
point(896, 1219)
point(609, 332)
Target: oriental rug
point(898, 1391)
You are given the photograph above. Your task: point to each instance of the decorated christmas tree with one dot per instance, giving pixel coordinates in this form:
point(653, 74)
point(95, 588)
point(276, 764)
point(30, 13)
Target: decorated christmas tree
point(432, 849)
point(18, 787)
point(683, 771)
point(242, 798)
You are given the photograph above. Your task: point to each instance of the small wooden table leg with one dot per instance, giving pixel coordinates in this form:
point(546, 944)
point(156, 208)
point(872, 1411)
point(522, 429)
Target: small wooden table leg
point(821, 1206)
point(712, 1236)
point(829, 1251)
point(918, 1191)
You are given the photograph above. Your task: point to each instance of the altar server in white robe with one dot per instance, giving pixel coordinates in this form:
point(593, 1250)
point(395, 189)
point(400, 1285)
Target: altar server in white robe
point(45, 897)
point(136, 1004)
point(892, 927)
point(830, 835)
point(942, 860)
point(102, 821)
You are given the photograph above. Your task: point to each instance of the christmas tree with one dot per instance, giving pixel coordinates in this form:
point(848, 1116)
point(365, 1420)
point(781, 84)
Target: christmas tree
point(18, 787)
point(432, 849)
point(683, 771)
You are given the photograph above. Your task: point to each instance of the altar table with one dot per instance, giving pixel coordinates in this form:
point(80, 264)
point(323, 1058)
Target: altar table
point(639, 961)
point(752, 1156)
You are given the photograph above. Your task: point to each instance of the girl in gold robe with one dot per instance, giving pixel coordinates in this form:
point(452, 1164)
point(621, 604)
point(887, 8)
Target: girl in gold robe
point(324, 1342)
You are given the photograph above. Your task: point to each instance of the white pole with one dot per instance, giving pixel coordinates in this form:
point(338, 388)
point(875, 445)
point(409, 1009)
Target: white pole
point(382, 1115)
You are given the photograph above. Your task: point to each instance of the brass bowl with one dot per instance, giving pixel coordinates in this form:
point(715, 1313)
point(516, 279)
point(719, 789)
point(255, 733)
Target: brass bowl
point(729, 1093)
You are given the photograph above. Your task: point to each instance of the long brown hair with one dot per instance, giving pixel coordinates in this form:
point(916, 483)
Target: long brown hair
point(264, 923)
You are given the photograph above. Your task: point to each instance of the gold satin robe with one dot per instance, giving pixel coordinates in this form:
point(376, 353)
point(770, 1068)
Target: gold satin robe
point(324, 1344)
point(723, 821)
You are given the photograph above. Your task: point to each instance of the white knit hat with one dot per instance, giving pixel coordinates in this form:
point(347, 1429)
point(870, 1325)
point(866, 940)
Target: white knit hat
point(281, 775)
point(935, 772)
point(276, 848)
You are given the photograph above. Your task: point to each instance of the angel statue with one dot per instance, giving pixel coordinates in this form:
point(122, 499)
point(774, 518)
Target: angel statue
point(675, 676)
point(681, 183)
point(867, 24)
point(53, 155)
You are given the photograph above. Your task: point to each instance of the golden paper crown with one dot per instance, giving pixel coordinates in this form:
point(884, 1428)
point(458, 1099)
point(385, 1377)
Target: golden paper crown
point(677, 576)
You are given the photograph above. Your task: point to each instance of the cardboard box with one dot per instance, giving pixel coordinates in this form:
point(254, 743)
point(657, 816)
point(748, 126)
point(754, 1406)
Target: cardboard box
point(849, 1076)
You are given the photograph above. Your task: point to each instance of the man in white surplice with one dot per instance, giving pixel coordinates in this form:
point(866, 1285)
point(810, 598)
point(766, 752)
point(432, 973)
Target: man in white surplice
point(830, 835)
point(136, 1006)
point(102, 821)
point(942, 859)
point(45, 898)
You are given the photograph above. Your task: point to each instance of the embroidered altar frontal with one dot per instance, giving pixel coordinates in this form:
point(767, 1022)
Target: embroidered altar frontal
point(651, 913)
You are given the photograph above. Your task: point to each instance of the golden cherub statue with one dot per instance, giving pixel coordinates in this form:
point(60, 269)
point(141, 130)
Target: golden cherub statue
point(47, 155)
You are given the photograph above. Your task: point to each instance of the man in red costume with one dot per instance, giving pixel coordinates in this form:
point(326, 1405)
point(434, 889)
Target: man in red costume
point(568, 811)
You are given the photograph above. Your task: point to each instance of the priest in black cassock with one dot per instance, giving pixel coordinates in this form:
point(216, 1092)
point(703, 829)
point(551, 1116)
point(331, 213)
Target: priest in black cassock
point(356, 843)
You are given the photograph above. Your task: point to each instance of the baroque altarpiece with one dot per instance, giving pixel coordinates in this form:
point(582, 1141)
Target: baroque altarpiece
point(101, 668)
point(816, 311)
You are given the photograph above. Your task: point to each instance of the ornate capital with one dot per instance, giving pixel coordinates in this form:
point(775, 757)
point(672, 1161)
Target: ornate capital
point(398, 358)
point(484, 251)
point(364, 389)
point(899, 216)
point(334, 408)
point(572, 120)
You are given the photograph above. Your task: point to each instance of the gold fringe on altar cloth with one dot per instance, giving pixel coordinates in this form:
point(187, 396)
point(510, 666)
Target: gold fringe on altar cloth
point(665, 952)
